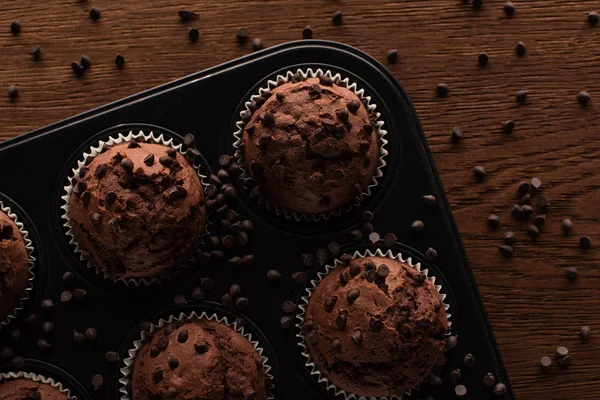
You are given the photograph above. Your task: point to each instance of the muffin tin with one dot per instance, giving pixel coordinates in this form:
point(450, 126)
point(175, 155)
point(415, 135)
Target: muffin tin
point(36, 167)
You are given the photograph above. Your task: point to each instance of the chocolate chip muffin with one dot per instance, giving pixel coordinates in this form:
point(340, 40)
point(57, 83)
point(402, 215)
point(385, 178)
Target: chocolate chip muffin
point(14, 266)
point(375, 327)
point(311, 146)
point(26, 389)
point(200, 360)
point(137, 210)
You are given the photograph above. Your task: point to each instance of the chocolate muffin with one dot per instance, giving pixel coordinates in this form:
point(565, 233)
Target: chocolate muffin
point(311, 146)
point(137, 210)
point(375, 327)
point(14, 266)
point(26, 389)
point(200, 360)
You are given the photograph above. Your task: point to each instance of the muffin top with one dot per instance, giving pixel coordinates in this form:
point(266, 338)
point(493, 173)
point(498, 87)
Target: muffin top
point(26, 389)
point(311, 146)
point(200, 360)
point(138, 209)
point(14, 266)
point(375, 327)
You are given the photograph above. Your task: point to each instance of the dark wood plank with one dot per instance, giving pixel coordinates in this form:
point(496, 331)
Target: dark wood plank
point(533, 308)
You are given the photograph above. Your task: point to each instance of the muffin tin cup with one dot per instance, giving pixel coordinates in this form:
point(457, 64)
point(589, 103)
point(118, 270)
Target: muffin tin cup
point(86, 159)
point(37, 378)
point(314, 370)
point(339, 80)
point(30, 259)
point(129, 362)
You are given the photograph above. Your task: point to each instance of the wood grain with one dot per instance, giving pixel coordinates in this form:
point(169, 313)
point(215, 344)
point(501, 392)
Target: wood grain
point(531, 305)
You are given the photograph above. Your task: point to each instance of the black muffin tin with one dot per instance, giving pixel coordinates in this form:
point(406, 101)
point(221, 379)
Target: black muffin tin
point(35, 168)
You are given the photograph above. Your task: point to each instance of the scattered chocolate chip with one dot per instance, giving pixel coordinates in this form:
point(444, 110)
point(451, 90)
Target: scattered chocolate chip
point(346, 258)
point(18, 362)
point(565, 361)
point(7, 353)
point(545, 362)
point(13, 92)
point(186, 16)
point(78, 337)
point(307, 33)
point(479, 173)
point(455, 376)
point(95, 14)
point(149, 160)
point(308, 259)
point(157, 375)
point(299, 277)
point(489, 380)
point(334, 248)
point(47, 305)
point(341, 320)
point(483, 59)
point(469, 361)
point(179, 299)
point(286, 321)
point(561, 351)
point(77, 68)
point(173, 362)
point(235, 290)
point(431, 254)
point(79, 294)
point(257, 44)
point(97, 381)
point(566, 226)
point(112, 357)
point(91, 334)
point(198, 293)
point(585, 333)
point(539, 221)
point(389, 239)
point(493, 222)
point(336, 18)
point(521, 96)
point(525, 199)
point(509, 8)
point(15, 27)
point(85, 62)
point(383, 271)
point(235, 261)
point(417, 226)
point(392, 56)
point(31, 319)
point(206, 284)
point(585, 242)
point(593, 18)
point(288, 307)
point(193, 34)
point(532, 231)
point(43, 345)
point(506, 250)
point(119, 61)
point(353, 106)
point(241, 303)
point(460, 391)
point(15, 335)
point(584, 98)
point(357, 337)
point(509, 238)
point(374, 237)
point(543, 203)
point(242, 35)
point(352, 295)
point(442, 89)
point(457, 134)
point(183, 336)
point(571, 273)
point(274, 275)
point(500, 389)
point(226, 300)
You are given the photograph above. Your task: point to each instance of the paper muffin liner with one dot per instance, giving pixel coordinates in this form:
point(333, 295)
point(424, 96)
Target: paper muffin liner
point(314, 370)
point(37, 378)
point(129, 362)
point(30, 259)
point(87, 157)
point(339, 80)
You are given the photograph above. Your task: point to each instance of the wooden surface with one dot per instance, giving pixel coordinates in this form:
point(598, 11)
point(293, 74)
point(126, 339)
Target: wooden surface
point(531, 305)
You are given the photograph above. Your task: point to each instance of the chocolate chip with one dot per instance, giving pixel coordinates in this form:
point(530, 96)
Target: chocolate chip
point(198, 293)
point(392, 56)
point(353, 105)
point(356, 235)
point(539, 221)
point(525, 199)
point(157, 375)
point(585, 242)
point(330, 303)
point(429, 200)
point(66, 296)
point(18, 362)
point(77, 68)
point(565, 361)
point(79, 294)
point(241, 303)
point(584, 98)
point(286, 321)
point(336, 18)
point(13, 92)
point(257, 44)
point(226, 300)
point(341, 320)
point(85, 61)
point(154, 351)
point(7, 353)
point(352, 295)
point(593, 18)
point(336, 346)
point(206, 284)
point(165, 161)
point(520, 49)
point(15, 27)
point(571, 273)
point(43, 345)
point(299, 277)
point(193, 34)
point(545, 362)
point(257, 168)
point(479, 173)
point(228, 241)
point(327, 81)
point(47, 305)
point(499, 389)
point(91, 334)
point(506, 250)
point(509, 238)
point(307, 33)
point(78, 337)
point(288, 307)
point(469, 361)
point(242, 35)
point(455, 376)
point(483, 59)
point(532, 231)
point(15, 335)
point(173, 362)
point(389, 239)
point(308, 260)
point(31, 319)
point(334, 248)
point(383, 271)
point(431, 254)
point(493, 222)
point(442, 89)
point(460, 391)
point(97, 381)
point(509, 8)
point(566, 226)
point(235, 261)
point(235, 290)
point(375, 324)
point(457, 134)
point(274, 275)
point(508, 126)
point(94, 14)
point(417, 226)
point(112, 357)
point(119, 61)
point(585, 333)
point(521, 96)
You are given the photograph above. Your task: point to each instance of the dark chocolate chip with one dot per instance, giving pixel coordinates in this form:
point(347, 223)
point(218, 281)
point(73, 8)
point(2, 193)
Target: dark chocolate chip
point(357, 337)
point(193, 34)
point(508, 126)
point(299, 277)
point(119, 61)
point(274, 275)
point(206, 284)
point(165, 161)
point(15, 27)
point(585, 333)
point(31, 319)
point(431, 254)
point(593, 18)
point(78, 337)
point(566, 226)
point(509, 238)
point(226, 300)
point(307, 33)
point(97, 381)
point(13, 92)
point(242, 35)
point(288, 307)
point(539, 221)
point(509, 8)
point(112, 357)
point(286, 321)
point(565, 361)
point(173, 362)
point(585, 242)
point(77, 68)
point(356, 235)
point(186, 16)
point(455, 376)
point(235, 290)
point(7, 353)
point(429, 200)
point(183, 336)
point(330, 303)
point(79, 294)
point(521, 96)
point(336, 346)
point(479, 173)
point(235, 261)
point(352, 295)
point(483, 59)
point(525, 199)
point(520, 49)
point(334, 248)
point(451, 342)
point(499, 389)
point(392, 56)
point(241, 303)
point(327, 81)
point(457, 134)
point(341, 320)
point(94, 14)
point(375, 324)
point(91, 334)
point(493, 222)
point(506, 250)
point(47, 305)
point(469, 361)
point(353, 106)
point(85, 62)
point(532, 231)
point(417, 226)
point(257, 44)
point(442, 89)
point(571, 273)
point(336, 18)
point(18, 362)
point(157, 375)
point(545, 362)
point(460, 391)
point(389, 239)
point(36, 52)
point(383, 271)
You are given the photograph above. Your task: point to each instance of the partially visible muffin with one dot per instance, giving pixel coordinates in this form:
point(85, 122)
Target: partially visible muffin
point(200, 360)
point(311, 146)
point(14, 266)
point(375, 327)
point(26, 389)
point(137, 210)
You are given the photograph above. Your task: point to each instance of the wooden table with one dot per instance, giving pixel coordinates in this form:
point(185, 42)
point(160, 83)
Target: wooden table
point(533, 308)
